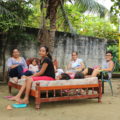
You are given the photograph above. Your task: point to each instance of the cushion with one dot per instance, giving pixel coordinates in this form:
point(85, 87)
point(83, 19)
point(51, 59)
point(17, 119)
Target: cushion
point(85, 81)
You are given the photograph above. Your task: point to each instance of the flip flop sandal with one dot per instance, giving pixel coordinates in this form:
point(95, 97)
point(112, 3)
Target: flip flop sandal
point(19, 105)
point(7, 97)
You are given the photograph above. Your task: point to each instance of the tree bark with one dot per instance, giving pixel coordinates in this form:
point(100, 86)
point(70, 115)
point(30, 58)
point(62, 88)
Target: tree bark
point(52, 13)
point(4, 58)
point(45, 37)
point(48, 37)
point(43, 33)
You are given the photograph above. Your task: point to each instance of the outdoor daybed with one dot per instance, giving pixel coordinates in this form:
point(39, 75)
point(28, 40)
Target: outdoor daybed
point(48, 91)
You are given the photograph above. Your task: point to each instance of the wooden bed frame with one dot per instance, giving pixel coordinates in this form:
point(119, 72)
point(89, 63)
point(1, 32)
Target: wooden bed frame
point(60, 93)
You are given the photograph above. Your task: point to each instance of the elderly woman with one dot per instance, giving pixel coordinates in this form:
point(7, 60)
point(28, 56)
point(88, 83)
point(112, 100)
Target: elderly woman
point(16, 64)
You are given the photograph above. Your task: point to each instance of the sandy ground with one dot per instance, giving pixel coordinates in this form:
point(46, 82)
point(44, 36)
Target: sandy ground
point(87, 109)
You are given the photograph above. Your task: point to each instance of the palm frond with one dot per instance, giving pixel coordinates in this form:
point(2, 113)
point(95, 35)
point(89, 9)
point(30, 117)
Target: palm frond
point(43, 4)
point(67, 21)
point(92, 6)
point(70, 1)
point(8, 14)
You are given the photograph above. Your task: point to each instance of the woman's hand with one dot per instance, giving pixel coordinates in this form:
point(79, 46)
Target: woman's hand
point(44, 67)
point(69, 66)
point(14, 66)
point(78, 69)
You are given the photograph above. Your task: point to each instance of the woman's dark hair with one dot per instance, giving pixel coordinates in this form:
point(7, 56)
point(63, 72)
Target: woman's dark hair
point(79, 75)
point(47, 50)
point(65, 76)
point(13, 50)
point(75, 52)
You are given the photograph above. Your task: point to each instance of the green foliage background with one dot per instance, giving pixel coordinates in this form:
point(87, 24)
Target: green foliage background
point(27, 14)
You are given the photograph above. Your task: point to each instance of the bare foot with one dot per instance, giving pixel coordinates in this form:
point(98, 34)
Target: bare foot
point(15, 98)
point(15, 79)
point(24, 101)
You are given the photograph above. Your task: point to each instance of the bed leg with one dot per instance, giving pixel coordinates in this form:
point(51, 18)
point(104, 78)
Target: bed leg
point(37, 106)
point(37, 96)
point(102, 87)
point(10, 89)
point(99, 100)
point(100, 92)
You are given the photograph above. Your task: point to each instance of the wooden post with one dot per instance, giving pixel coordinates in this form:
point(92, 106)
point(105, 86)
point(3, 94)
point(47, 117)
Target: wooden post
point(9, 88)
point(119, 48)
point(102, 87)
point(37, 96)
point(100, 91)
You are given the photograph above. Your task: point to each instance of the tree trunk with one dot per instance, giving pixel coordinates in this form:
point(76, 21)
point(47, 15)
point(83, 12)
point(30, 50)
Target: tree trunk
point(52, 13)
point(4, 58)
point(45, 37)
point(43, 33)
point(48, 37)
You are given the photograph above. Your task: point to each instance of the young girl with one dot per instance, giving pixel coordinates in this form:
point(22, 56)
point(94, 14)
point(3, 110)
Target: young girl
point(46, 73)
point(34, 66)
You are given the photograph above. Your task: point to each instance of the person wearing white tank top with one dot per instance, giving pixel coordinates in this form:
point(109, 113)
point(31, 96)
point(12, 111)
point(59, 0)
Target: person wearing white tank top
point(76, 64)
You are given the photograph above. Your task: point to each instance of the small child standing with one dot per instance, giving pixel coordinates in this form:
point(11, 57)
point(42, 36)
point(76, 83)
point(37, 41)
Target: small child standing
point(34, 67)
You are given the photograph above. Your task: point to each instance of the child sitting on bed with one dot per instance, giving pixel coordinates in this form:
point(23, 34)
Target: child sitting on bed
point(34, 66)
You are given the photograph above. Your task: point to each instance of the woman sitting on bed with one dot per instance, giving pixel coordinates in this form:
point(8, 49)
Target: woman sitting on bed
point(75, 64)
point(16, 65)
point(46, 73)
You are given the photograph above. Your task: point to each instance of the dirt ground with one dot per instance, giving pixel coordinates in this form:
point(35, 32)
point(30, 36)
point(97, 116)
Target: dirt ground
point(86, 109)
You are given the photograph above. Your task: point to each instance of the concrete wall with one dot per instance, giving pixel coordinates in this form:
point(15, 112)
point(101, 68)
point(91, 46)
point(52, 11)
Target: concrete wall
point(90, 49)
